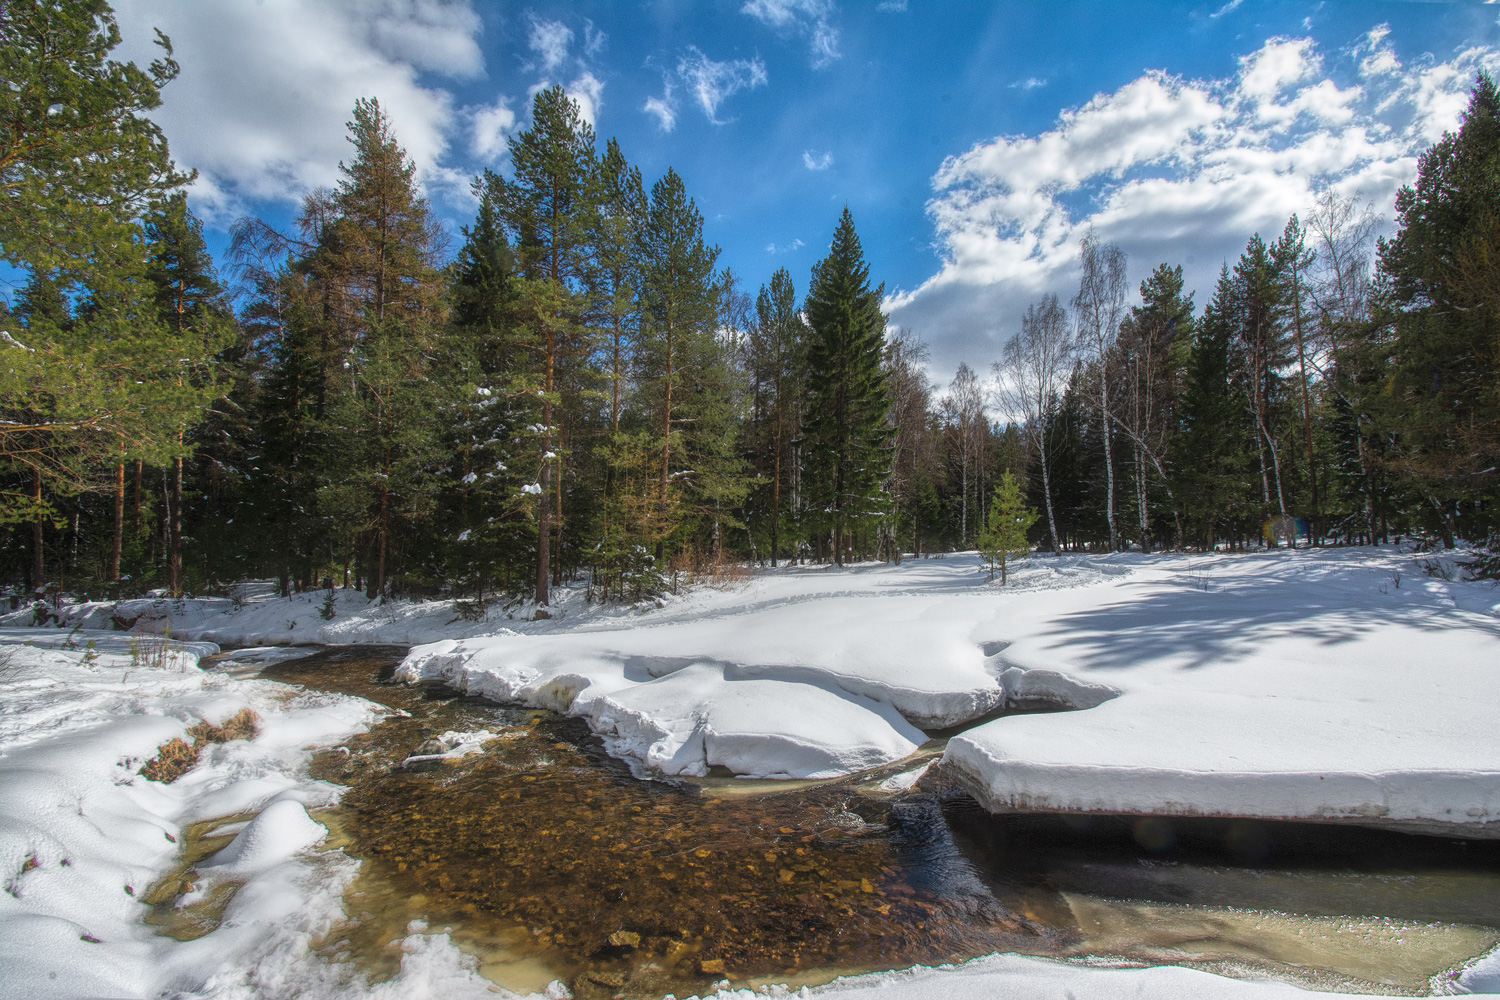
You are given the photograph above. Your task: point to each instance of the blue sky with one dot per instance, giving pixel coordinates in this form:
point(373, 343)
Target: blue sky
point(974, 143)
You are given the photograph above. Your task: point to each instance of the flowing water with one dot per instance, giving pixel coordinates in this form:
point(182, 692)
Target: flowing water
point(549, 860)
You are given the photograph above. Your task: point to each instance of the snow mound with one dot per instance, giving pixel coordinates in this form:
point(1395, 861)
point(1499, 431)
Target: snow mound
point(697, 717)
point(279, 832)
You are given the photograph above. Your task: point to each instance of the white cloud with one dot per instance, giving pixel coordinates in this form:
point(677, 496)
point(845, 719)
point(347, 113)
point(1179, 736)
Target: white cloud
point(266, 89)
point(490, 128)
point(891, 6)
point(550, 40)
point(1175, 170)
point(1227, 8)
point(664, 108)
point(1276, 65)
point(711, 82)
point(1030, 83)
point(822, 161)
point(588, 93)
point(804, 17)
point(796, 244)
point(593, 39)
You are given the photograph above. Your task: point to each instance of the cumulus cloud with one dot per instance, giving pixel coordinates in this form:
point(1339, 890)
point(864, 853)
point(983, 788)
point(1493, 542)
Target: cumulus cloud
point(1174, 170)
point(822, 161)
point(490, 128)
point(266, 89)
point(550, 40)
point(712, 82)
point(811, 18)
point(588, 92)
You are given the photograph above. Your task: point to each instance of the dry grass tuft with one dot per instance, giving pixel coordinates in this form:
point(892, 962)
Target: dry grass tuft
point(173, 759)
point(176, 757)
point(242, 725)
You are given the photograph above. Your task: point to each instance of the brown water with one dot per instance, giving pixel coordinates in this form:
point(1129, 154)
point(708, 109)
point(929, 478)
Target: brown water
point(547, 859)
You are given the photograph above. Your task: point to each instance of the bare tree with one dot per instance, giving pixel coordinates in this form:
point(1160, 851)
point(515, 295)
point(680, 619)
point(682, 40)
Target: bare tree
point(964, 409)
point(1100, 305)
point(910, 394)
point(1343, 232)
point(1027, 376)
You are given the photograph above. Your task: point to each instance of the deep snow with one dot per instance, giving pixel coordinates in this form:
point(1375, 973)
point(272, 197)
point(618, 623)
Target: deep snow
point(1311, 685)
point(1326, 684)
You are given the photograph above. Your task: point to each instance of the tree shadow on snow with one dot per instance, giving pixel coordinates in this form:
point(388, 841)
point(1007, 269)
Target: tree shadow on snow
point(1231, 621)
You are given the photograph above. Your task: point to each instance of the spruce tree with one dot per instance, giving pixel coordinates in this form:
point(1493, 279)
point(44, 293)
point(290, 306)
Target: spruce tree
point(489, 536)
point(190, 304)
point(1437, 295)
point(845, 428)
point(1009, 520)
point(1211, 467)
point(778, 352)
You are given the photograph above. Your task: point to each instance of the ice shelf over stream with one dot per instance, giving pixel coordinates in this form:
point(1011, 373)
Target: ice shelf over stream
point(1308, 685)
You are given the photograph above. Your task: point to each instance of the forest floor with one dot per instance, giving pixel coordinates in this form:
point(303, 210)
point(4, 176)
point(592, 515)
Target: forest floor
point(1337, 685)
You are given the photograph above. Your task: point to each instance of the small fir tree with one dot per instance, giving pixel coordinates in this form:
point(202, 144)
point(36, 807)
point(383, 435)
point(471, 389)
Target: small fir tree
point(1010, 519)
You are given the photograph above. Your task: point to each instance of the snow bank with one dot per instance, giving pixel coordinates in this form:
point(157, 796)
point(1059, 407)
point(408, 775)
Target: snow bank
point(1301, 686)
point(1041, 979)
point(83, 835)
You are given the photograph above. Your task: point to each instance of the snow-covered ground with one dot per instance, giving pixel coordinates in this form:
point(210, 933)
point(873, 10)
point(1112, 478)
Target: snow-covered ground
point(1312, 684)
point(1318, 685)
point(1315, 684)
point(83, 836)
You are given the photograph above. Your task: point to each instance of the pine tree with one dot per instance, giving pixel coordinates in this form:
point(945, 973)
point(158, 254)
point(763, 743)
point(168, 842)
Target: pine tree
point(385, 245)
point(1153, 347)
point(677, 354)
point(80, 158)
point(845, 428)
point(549, 211)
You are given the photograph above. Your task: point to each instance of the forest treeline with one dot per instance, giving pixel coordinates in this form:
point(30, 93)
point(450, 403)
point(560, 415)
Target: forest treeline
point(572, 387)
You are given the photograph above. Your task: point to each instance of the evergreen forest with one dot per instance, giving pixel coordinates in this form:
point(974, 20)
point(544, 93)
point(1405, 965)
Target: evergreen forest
point(571, 390)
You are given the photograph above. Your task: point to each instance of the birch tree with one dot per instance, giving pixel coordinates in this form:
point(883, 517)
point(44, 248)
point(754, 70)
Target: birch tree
point(1028, 376)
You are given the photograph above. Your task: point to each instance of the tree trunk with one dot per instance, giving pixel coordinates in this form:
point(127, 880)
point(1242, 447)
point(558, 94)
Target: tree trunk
point(1312, 469)
point(174, 528)
point(1109, 463)
point(544, 507)
point(666, 440)
point(38, 563)
point(1047, 490)
point(557, 520)
point(776, 487)
point(118, 535)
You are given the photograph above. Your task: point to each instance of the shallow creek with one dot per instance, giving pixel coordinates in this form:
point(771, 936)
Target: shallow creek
point(548, 860)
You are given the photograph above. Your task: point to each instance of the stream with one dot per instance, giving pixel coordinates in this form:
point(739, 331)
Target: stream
point(546, 859)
